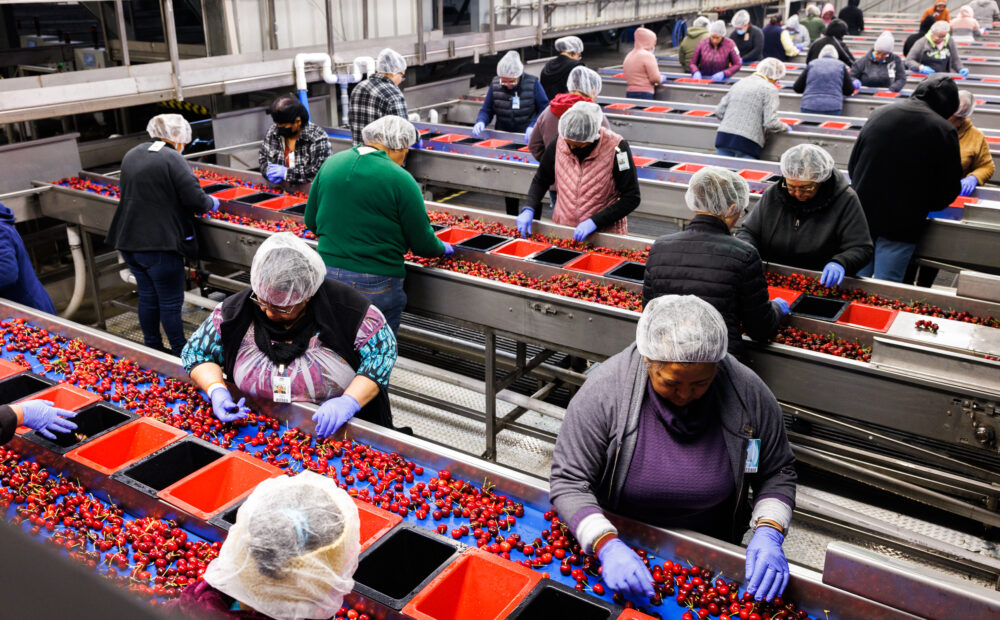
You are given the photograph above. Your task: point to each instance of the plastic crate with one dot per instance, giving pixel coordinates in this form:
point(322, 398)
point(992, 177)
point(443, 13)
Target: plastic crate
point(125, 445)
point(66, 396)
point(281, 202)
point(592, 262)
point(834, 125)
point(454, 235)
point(450, 137)
point(214, 188)
point(642, 161)
point(657, 108)
point(483, 242)
point(631, 271)
point(375, 522)
point(619, 106)
point(821, 308)
point(869, 317)
point(550, 599)
point(235, 192)
point(16, 387)
point(256, 198)
point(91, 422)
point(689, 167)
point(218, 485)
point(699, 113)
point(556, 257)
point(165, 467)
point(493, 143)
point(753, 175)
point(9, 369)
point(789, 295)
point(520, 248)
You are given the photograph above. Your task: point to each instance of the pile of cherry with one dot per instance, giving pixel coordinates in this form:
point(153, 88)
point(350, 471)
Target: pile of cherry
point(829, 344)
point(475, 513)
point(83, 185)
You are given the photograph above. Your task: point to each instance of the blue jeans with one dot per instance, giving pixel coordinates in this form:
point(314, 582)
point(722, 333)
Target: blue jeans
point(733, 153)
point(385, 292)
point(827, 112)
point(891, 259)
point(637, 95)
point(553, 194)
point(159, 278)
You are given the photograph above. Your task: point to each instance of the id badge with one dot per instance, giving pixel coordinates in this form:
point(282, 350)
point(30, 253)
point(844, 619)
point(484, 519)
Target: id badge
point(753, 457)
point(515, 102)
point(622, 161)
point(291, 159)
point(156, 146)
point(281, 386)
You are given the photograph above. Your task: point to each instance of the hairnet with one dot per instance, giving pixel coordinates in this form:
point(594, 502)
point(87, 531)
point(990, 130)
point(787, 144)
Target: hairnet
point(806, 162)
point(771, 68)
point(170, 127)
point(718, 191)
point(390, 61)
point(582, 122)
point(885, 42)
point(285, 271)
point(293, 550)
point(286, 108)
point(717, 27)
point(394, 132)
point(741, 19)
point(569, 44)
point(701, 22)
point(683, 329)
point(510, 65)
point(966, 104)
point(940, 28)
point(812, 11)
point(792, 23)
point(584, 80)
point(828, 51)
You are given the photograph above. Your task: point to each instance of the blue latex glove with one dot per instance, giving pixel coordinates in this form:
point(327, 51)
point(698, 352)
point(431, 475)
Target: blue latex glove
point(767, 568)
point(782, 305)
point(584, 229)
point(719, 77)
point(478, 128)
point(334, 413)
point(44, 418)
point(275, 173)
point(833, 275)
point(623, 571)
point(969, 184)
point(224, 408)
point(448, 250)
point(963, 72)
point(696, 75)
point(524, 221)
point(857, 84)
point(925, 70)
point(215, 203)
point(527, 133)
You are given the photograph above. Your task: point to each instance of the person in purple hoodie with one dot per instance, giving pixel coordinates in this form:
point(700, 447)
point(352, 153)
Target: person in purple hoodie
point(675, 432)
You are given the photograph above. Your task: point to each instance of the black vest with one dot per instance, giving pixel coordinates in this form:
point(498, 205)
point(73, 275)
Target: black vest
point(509, 119)
point(339, 311)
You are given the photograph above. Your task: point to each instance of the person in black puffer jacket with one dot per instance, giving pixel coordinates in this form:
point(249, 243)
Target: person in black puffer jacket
point(556, 71)
point(812, 219)
point(705, 260)
point(834, 36)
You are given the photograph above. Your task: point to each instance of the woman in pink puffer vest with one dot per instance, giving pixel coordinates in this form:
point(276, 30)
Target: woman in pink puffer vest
point(642, 74)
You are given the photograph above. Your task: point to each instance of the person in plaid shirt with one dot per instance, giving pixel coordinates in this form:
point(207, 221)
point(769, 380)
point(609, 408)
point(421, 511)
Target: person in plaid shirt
point(379, 95)
point(293, 148)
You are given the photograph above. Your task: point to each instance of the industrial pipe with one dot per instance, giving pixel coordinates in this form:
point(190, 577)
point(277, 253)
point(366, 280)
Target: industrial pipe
point(432, 116)
point(328, 76)
point(79, 272)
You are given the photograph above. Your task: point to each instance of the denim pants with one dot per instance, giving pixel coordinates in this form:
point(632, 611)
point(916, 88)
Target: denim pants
point(890, 261)
point(385, 292)
point(732, 153)
point(826, 112)
point(637, 95)
point(159, 278)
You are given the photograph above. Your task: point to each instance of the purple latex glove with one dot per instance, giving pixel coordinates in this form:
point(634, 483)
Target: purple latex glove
point(224, 408)
point(524, 221)
point(215, 204)
point(767, 568)
point(44, 418)
point(696, 75)
point(969, 185)
point(782, 305)
point(623, 570)
point(719, 76)
point(584, 229)
point(334, 413)
point(448, 250)
point(833, 274)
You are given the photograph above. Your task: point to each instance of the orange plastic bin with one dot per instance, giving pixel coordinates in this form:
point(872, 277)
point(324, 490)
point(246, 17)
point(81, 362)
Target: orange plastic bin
point(789, 295)
point(520, 248)
point(126, 445)
point(869, 317)
point(687, 168)
point(281, 202)
point(65, 396)
point(219, 484)
point(9, 369)
point(594, 263)
point(235, 192)
point(375, 522)
point(456, 235)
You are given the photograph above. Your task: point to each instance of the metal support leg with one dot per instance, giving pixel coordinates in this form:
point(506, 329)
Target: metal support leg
point(491, 395)
point(88, 256)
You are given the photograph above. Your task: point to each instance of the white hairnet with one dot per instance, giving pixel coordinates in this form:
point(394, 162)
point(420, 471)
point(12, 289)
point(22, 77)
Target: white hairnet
point(394, 132)
point(966, 104)
point(510, 65)
point(171, 127)
point(885, 42)
point(828, 51)
point(771, 68)
point(293, 550)
point(717, 27)
point(569, 44)
point(718, 191)
point(701, 22)
point(390, 61)
point(812, 11)
point(792, 23)
point(682, 329)
point(582, 122)
point(584, 80)
point(741, 19)
point(807, 162)
point(285, 271)
point(940, 28)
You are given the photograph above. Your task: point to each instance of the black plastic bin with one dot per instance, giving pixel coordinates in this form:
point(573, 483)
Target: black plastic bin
point(550, 599)
point(91, 422)
point(401, 563)
point(165, 467)
point(662, 164)
point(227, 519)
point(252, 199)
point(295, 209)
point(821, 308)
point(556, 256)
point(25, 384)
point(216, 187)
point(633, 272)
point(483, 243)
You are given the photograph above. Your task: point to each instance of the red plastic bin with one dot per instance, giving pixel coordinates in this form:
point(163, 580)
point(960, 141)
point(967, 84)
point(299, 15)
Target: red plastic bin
point(869, 317)
point(657, 108)
point(693, 80)
point(643, 161)
point(126, 445)
point(789, 295)
point(791, 122)
point(281, 202)
point(456, 235)
point(634, 614)
point(375, 522)
point(450, 137)
point(698, 113)
point(235, 192)
point(888, 94)
point(9, 369)
point(753, 175)
point(594, 263)
point(619, 106)
point(218, 485)
point(834, 125)
point(477, 586)
point(65, 396)
point(492, 143)
point(962, 201)
point(687, 168)
point(520, 248)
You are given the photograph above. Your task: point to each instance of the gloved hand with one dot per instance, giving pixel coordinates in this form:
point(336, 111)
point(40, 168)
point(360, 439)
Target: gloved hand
point(787, 126)
point(448, 250)
point(767, 568)
point(833, 275)
point(527, 133)
point(44, 418)
point(334, 413)
point(696, 75)
point(584, 229)
point(275, 173)
point(224, 408)
point(963, 72)
point(478, 128)
point(925, 70)
point(623, 570)
point(719, 77)
point(969, 184)
point(857, 84)
point(215, 204)
point(524, 221)
point(782, 305)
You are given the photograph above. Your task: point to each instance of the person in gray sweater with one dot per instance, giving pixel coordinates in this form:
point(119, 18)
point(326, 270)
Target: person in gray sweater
point(880, 68)
point(749, 111)
point(936, 52)
point(675, 432)
point(985, 12)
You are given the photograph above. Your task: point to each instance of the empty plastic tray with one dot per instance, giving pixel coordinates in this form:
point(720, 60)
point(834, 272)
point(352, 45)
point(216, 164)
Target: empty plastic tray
point(633, 272)
point(822, 308)
point(9, 369)
point(619, 106)
point(493, 143)
point(18, 386)
point(789, 295)
point(281, 202)
point(869, 317)
point(484, 242)
point(834, 125)
point(252, 199)
point(698, 113)
point(235, 192)
point(753, 175)
point(66, 396)
point(454, 235)
point(657, 108)
point(450, 137)
point(556, 256)
point(642, 161)
point(550, 599)
point(125, 445)
point(688, 167)
point(375, 522)
point(520, 248)
point(220, 484)
point(213, 188)
point(595, 263)
point(160, 470)
point(91, 422)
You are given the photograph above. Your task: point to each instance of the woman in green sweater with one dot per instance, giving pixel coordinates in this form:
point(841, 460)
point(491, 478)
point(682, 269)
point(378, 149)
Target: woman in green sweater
point(368, 212)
